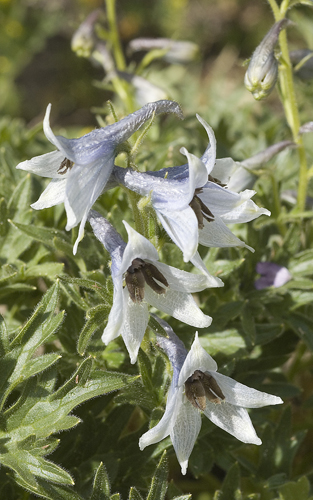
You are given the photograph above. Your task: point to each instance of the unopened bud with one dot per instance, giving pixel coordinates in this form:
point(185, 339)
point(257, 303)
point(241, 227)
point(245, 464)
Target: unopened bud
point(262, 72)
point(84, 38)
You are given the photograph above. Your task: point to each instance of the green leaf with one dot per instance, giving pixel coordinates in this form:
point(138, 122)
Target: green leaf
point(248, 323)
point(134, 494)
point(97, 315)
point(156, 327)
point(43, 234)
point(101, 485)
point(303, 326)
point(95, 286)
point(145, 370)
point(159, 481)
point(293, 490)
point(228, 342)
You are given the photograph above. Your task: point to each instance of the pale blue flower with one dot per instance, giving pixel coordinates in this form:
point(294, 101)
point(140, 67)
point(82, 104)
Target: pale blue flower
point(81, 168)
point(192, 206)
point(197, 387)
point(147, 281)
point(271, 275)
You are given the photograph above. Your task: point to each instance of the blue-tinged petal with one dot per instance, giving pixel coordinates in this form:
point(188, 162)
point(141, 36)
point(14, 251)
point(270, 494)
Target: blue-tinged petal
point(164, 193)
point(197, 359)
point(137, 247)
point(185, 432)
point(217, 234)
point(209, 155)
point(198, 175)
point(180, 305)
point(110, 238)
point(187, 282)
point(241, 395)
point(46, 165)
point(52, 195)
point(102, 142)
point(232, 419)
point(135, 322)
point(116, 316)
point(83, 187)
point(164, 427)
point(182, 228)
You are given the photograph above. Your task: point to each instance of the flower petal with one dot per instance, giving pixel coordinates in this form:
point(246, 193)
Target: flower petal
point(198, 175)
point(212, 281)
point(232, 419)
point(185, 432)
point(209, 155)
point(54, 194)
point(83, 188)
point(217, 234)
point(180, 305)
point(183, 281)
point(196, 359)
point(46, 165)
point(116, 316)
point(164, 427)
point(137, 247)
point(241, 395)
point(135, 322)
point(182, 228)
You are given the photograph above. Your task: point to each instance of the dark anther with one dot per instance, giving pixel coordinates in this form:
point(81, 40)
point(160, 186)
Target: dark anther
point(139, 273)
point(66, 165)
point(200, 209)
point(216, 181)
point(200, 386)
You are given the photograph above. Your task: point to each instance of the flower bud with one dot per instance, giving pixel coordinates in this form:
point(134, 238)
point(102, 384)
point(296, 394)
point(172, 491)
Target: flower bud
point(262, 72)
point(84, 38)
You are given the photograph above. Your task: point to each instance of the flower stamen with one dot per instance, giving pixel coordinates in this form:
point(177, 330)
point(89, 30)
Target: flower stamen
point(200, 386)
point(66, 165)
point(139, 273)
point(200, 209)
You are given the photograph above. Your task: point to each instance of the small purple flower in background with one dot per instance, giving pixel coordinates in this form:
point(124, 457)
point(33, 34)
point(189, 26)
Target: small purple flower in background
point(147, 281)
point(197, 387)
point(271, 275)
point(80, 168)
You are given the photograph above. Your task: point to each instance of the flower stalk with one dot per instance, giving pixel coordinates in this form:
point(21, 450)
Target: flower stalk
point(289, 101)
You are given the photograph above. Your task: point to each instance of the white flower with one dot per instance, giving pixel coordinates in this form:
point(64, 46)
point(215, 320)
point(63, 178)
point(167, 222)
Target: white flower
point(147, 282)
point(192, 206)
point(80, 168)
point(197, 386)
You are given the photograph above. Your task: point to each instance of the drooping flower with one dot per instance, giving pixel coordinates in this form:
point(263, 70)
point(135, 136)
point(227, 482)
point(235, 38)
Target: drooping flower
point(80, 168)
point(147, 281)
point(192, 206)
point(271, 275)
point(197, 387)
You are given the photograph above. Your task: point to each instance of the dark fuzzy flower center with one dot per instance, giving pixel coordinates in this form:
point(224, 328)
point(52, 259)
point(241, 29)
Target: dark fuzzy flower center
point(200, 209)
point(66, 165)
point(139, 273)
point(200, 386)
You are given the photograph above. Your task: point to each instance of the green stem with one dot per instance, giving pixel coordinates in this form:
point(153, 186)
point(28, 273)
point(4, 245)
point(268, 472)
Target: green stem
point(117, 48)
point(139, 220)
point(290, 102)
point(277, 206)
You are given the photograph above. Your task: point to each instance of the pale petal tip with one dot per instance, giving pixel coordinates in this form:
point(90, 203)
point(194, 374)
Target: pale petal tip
point(184, 466)
point(142, 444)
point(257, 441)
